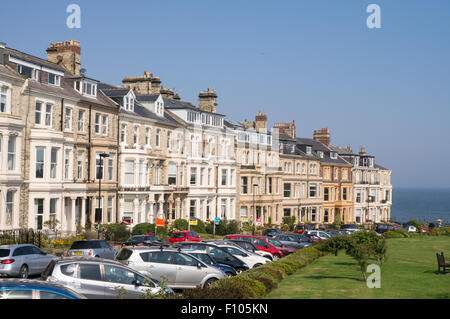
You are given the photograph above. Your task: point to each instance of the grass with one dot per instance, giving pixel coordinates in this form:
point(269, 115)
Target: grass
point(409, 273)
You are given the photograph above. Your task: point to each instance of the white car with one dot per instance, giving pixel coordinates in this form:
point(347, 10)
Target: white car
point(181, 270)
point(251, 259)
point(411, 229)
point(318, 233)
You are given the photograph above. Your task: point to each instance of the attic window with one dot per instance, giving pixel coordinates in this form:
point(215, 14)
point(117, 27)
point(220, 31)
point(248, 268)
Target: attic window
point(54, 79)
point(320, 154)
point(89, 88)
point(308, 150)
point(129, 103)
point(333, 155)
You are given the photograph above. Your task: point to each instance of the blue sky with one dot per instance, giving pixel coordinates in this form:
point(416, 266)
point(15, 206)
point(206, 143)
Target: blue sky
point(315, 61)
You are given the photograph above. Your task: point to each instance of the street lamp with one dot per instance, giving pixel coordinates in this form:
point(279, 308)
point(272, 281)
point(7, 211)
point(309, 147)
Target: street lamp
point(254, 210)
point(98, 211)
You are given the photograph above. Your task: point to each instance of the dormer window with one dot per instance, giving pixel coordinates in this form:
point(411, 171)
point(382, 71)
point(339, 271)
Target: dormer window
point(320, 154)
point(129, 103)
point(54, 79)
point(308, 150)
point(333, 155)
point(160, 108)
point(89, 88)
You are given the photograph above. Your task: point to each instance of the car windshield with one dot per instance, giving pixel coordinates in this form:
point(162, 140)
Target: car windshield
point(179, 235)
point(274, 242)
point(86, 245)
point(4, 253)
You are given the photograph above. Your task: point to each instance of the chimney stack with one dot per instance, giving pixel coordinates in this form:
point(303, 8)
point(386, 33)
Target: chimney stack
point(288, 129)
point(144, 84)
point(362, 151)
point(261, 122)
point(66, 54)
point(208, 101)
point(167, 93)
point(323, 136)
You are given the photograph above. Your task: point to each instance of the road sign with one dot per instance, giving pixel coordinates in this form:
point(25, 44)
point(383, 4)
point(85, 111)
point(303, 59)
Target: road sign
point(244, 220)
point(193, 223)
point(160, 223)
point(217, 220)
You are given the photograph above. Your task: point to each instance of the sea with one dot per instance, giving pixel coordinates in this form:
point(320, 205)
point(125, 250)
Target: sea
point(424, 205)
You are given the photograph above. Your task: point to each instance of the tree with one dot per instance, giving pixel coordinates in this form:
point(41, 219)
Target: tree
point(53, 224)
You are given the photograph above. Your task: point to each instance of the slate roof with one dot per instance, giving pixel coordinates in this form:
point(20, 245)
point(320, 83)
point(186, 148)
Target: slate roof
point(142, 111)
point(318, 146)
point(33, 59)
point(147, 97)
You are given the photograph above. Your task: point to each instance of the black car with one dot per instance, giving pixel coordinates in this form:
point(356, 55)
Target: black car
point(142, 240)
point(272, 232)
point(219, 254)
point(382, 228)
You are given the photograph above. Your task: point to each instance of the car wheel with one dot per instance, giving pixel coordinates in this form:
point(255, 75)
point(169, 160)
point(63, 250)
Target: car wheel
point(256, 265)
point(23, 272)
point(239, 271)
point(276, 257)
point(229, 274)
point(209, 282)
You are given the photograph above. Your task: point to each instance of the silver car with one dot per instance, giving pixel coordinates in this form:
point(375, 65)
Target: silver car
point(180, 270)
point(97, 278)
point(295, 241)
point(22, 260)
point(91, 248)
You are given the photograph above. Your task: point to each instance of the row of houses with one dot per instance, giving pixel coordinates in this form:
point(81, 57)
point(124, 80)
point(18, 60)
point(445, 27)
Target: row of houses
point(77, 151)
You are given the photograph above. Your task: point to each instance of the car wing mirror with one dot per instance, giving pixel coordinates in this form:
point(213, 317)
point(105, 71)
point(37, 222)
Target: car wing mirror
point(199, 265)
point(137, 283)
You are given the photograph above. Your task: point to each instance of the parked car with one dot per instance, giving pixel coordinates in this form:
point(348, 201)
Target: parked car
point(272, 232)
point(180, 236)
point(218, 253)
point(251, 259)
point(23, 260)
point(251, 247)
point(261, 244)
point(142, 240)
point(299, 229)
point(91, 248)
point(320, 234)
point(382, 228)
point(294, 240)
point(350, 227)
point(207, 259)
point(182, 271)
point(410, 228)
point(97, 278)
point(35, 289)
point(285, 250)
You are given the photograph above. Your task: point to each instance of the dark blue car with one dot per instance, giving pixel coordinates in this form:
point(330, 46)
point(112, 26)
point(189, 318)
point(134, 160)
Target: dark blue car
point(209, 260)
point(272, 232)
point(35, 289)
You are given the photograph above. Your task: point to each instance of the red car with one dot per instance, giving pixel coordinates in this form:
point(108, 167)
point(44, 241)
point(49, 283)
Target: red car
point(279, 245)
point(299, 229)
point(261, 244)
point(185, 236)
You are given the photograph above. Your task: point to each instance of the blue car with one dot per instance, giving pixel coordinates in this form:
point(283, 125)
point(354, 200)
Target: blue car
point(35, 289)
point(209, 260)
point(272, 232)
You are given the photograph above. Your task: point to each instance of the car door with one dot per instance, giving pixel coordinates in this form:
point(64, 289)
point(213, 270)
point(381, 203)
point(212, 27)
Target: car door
point(219, 255)
point(241, 255)
point(108, 251)
point(41, 259)
point(189, 274)
point(120, 282)
point(31, 258)
point(90, 281)
point(159, 265)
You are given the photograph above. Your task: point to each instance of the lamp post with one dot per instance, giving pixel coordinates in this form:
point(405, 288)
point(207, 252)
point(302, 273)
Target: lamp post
point(254, 210)
point(98, 214)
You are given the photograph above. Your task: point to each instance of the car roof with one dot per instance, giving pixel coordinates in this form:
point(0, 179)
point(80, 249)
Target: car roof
point(16, 246)
point(33, 284)
point(68, 260)
point(144, 248)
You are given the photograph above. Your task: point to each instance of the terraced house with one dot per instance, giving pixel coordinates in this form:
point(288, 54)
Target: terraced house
point(67, 123)
point(336, 173)
point(372, 187)
point(302, 183)
point(75, 151)
point(259, 176)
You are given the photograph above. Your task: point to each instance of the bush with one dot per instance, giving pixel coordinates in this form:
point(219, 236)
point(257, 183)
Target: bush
point(116, 232)
point(144, 228)
point(181, 224)
point(267, 280)
point(200, 227)
point(223, 289)
point(395, 234)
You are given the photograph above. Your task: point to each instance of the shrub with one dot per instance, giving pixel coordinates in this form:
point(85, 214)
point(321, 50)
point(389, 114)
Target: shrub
point(222, 289)
point(200, 227)
point(181, 224)
point(116, 232)
point(393, 234)
point(267, 280)
point(144, 228)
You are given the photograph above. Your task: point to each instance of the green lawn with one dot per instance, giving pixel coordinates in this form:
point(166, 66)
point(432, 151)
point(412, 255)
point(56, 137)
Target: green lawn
point(409, 272)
